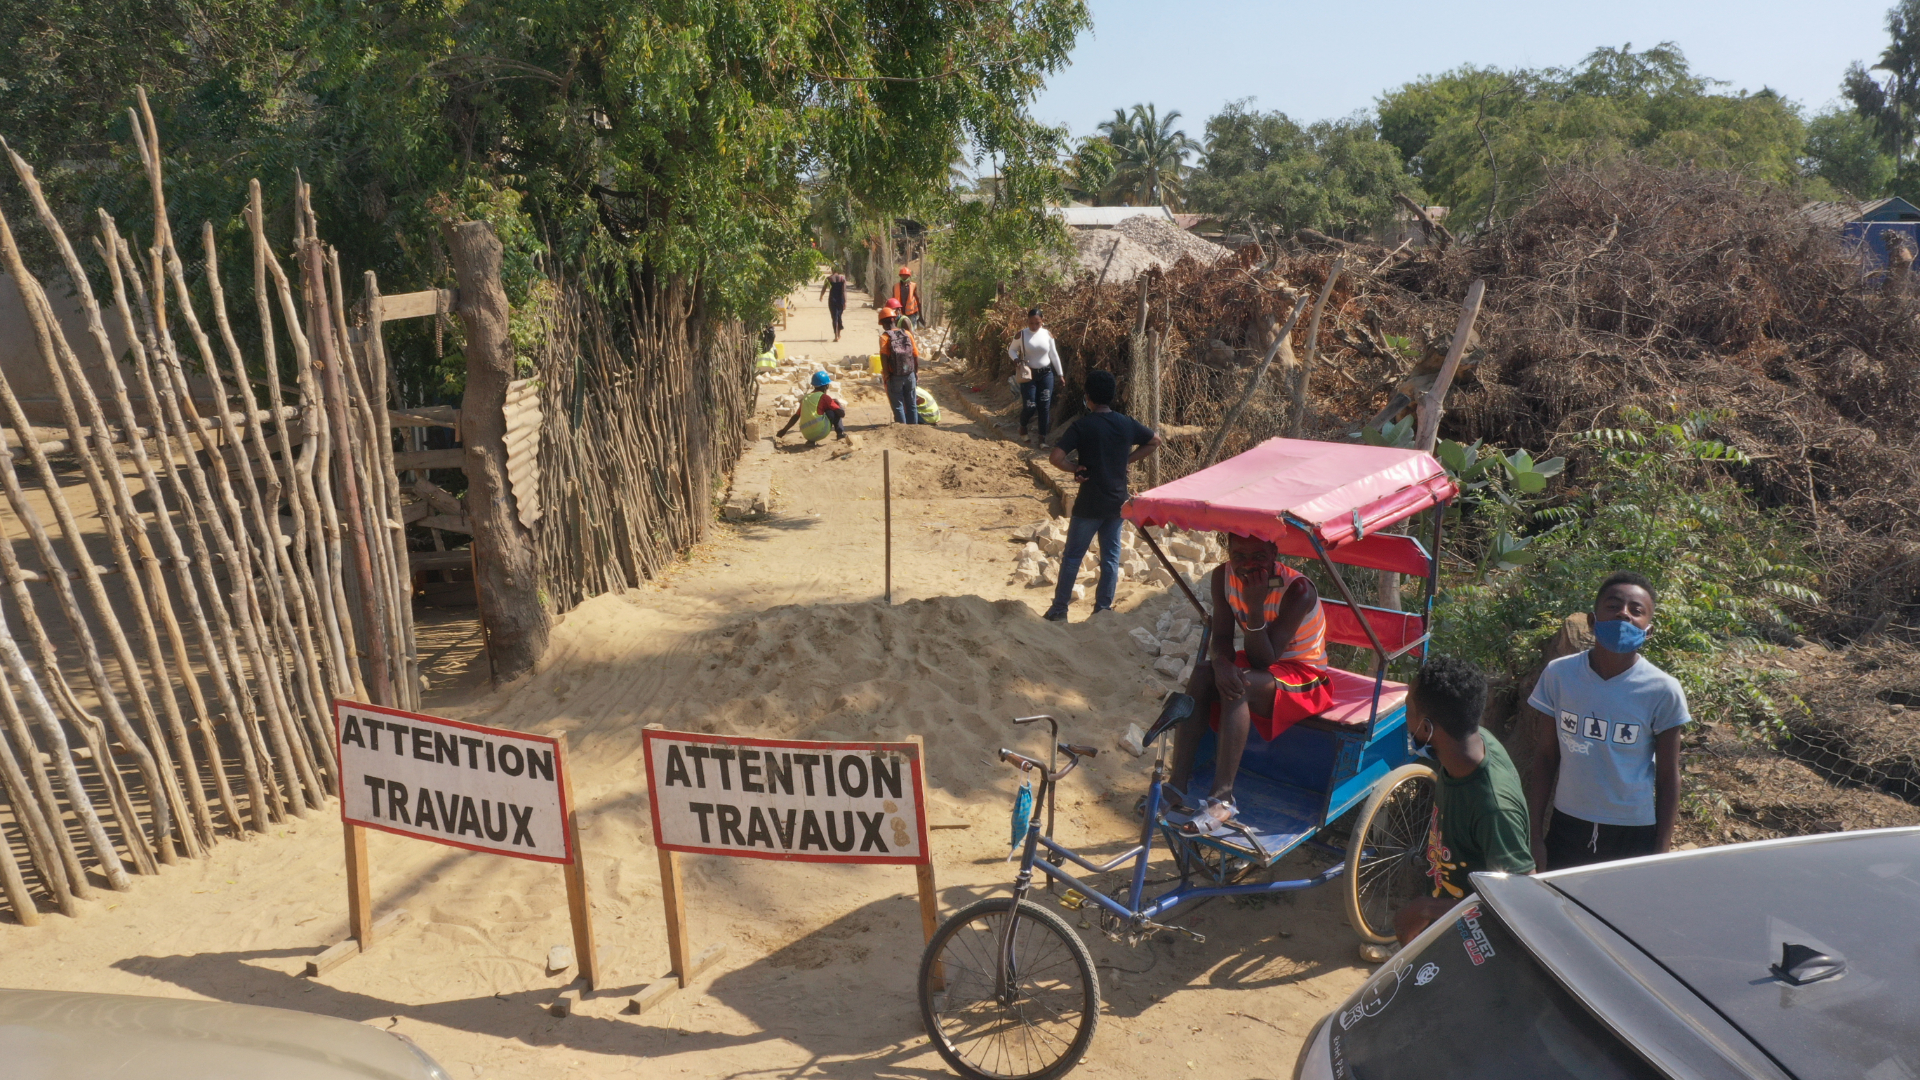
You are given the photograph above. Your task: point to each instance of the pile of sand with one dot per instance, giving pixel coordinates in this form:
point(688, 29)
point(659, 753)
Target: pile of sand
point(953, 670)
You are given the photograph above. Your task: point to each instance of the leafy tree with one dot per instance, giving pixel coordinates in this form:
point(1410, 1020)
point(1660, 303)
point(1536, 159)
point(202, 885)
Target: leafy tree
point(1892, 105)
point(1150, 156)
point(660, 152)
point(1263, 168)
point(1479, 139)
point(1845, 151)
point(1090, 169)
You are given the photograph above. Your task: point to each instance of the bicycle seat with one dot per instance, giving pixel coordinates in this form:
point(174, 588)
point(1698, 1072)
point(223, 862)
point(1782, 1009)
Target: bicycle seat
point(1178, 707)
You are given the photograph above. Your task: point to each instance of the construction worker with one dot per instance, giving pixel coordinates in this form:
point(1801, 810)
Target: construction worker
point(817, 413)
point(908, 294)
point(928, 408)
point(900, 363)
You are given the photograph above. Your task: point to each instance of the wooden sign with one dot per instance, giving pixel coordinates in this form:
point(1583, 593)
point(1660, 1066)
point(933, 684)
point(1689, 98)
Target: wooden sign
point(483, 789)
point(829, 802)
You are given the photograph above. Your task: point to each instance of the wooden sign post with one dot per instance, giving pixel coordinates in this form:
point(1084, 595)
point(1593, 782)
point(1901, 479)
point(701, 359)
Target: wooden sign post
point(828, 802)
point(483, 789)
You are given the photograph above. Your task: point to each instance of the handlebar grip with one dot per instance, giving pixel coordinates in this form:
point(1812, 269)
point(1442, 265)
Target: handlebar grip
point(1081, 749)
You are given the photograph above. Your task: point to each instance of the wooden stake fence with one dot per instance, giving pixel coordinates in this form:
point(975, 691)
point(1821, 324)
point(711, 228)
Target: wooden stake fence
point(207, 551)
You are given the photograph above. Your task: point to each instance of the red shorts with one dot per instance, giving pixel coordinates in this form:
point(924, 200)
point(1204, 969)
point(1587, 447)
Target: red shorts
point(1301, 690)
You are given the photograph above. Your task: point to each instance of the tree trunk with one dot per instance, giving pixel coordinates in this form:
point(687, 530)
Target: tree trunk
point(504, 563)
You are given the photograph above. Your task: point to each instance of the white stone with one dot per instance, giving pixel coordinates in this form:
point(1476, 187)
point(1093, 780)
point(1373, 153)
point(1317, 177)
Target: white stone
point(1145, 639)
point(1170, 647)
point(1170, 666)
point(1190, 645)
point(1164, 625)
point(1186, 549)
point(1079, 592)
point(1133, 740)
point(1052, 545)
point(1177, 630)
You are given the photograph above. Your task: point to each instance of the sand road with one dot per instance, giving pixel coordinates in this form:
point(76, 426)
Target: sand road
point(772, 627)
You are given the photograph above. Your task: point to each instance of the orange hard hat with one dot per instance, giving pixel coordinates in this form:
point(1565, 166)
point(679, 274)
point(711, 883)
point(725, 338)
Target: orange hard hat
point(906, 271)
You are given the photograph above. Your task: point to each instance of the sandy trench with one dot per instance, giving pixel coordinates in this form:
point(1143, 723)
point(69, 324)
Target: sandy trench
point(771, 627)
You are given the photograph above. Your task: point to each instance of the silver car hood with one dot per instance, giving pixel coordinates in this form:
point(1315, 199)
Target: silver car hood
point(54, 1035)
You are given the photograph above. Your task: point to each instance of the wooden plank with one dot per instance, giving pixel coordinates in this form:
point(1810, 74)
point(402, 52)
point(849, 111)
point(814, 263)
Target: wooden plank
point(413, 305)
point(343, 951)
point(430, 459)
point(450, 522)
point(656, 992)
point(673, 897)
point(359, 886)
point(439, 560)
point(413, 512)
point(579, 907)
point(439, 497)
point(567, 1003)
point(425, 416)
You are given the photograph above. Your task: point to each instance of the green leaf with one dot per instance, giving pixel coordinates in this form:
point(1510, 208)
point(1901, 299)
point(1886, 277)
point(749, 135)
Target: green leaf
point(1532, 483)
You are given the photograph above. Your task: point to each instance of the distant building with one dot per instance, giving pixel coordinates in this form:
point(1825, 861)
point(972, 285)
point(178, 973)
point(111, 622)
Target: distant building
point(1406, 229)
point(1867, 224)
point(1106, 217)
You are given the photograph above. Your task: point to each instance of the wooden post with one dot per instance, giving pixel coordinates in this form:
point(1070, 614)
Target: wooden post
point(1282, 342)
point(579, 907)
point(886, 483)
point(359, 886)
point(1153, 352)
point(923, 873)
point(1430, 406)
point(1296, 425)
point(507, 574)
point(673, 895)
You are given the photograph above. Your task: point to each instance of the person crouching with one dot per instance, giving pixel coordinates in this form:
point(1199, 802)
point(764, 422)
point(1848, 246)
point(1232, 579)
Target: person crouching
point(817, 413)
point(1277, 678)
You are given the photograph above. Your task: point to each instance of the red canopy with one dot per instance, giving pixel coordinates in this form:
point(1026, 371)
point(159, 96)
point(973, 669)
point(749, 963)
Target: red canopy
point(1345, 493)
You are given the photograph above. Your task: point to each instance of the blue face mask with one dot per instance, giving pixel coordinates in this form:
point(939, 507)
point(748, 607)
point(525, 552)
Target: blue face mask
point(1619, 636)
point(1423, 749)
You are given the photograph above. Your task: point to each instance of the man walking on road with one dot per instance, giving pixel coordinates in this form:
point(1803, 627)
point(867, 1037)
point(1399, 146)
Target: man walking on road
point(835, 290)
point(1608, 771)
point(1106, 442)
point(900, 362)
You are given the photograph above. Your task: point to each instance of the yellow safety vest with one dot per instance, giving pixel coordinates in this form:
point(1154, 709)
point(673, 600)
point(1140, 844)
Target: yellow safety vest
point(814, 425)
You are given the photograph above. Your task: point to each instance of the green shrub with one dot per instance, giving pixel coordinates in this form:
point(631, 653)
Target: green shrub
point(1656, 498)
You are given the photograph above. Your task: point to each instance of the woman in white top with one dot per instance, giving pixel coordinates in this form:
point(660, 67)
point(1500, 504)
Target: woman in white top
point(1034, 349)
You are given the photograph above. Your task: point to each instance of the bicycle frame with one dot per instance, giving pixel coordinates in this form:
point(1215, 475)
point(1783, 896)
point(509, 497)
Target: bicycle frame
point(1139, 912)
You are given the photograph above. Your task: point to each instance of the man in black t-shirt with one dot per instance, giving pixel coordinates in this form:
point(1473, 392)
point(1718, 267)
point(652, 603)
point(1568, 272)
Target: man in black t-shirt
point(1107, 442)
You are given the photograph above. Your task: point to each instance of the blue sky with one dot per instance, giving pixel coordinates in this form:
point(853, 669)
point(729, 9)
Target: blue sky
point(1317, 61)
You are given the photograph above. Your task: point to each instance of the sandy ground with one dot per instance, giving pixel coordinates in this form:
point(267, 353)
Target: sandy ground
point(773, 627)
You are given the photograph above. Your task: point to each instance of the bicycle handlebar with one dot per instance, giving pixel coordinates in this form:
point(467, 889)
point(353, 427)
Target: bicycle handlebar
point(1027, 764)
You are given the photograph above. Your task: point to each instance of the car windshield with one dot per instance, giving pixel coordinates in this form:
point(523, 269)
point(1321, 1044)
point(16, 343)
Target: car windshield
point(1473, 1003)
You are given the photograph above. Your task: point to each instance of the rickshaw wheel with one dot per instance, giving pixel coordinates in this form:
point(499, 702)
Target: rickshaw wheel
point(1043, 1032)
point(1386, 854)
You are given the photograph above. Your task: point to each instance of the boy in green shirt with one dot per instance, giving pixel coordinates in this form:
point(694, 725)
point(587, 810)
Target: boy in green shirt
point(1480, 808)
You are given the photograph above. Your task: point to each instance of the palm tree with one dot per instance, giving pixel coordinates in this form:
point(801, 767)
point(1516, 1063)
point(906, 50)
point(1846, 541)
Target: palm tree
point(1150, 155)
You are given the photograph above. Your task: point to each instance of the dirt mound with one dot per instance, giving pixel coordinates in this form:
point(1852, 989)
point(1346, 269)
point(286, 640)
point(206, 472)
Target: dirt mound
point(1111, 255)
point(952, 670)
point(1169, 242)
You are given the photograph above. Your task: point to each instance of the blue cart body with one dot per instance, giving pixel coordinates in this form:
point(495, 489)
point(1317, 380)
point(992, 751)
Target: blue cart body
point(1303, 780)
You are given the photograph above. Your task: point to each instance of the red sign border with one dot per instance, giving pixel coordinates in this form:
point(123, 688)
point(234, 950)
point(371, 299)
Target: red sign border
point(559, 780)
point(913, 750)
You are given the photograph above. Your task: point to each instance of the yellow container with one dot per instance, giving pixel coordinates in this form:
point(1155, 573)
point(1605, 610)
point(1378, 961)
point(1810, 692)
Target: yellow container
point(873, 364)
point(779, 350)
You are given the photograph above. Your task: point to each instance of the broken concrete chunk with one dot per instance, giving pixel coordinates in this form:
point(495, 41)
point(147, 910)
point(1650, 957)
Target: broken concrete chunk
point(559, 959)
point(1170, 666)
point(1145, 639)
point(1133, 740)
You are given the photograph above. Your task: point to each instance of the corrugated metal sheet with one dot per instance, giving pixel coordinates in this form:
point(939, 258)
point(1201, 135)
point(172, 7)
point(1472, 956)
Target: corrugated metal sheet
point(1105, 217)
point(523, 447)
point(1833, 215)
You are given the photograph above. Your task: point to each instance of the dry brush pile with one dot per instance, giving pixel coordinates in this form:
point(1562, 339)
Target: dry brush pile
point(1667, 289)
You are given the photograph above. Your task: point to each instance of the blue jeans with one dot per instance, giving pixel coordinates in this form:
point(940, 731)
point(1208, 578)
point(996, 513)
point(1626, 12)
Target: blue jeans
point(1037, 396)
point(1080, 534)
point(900, 395)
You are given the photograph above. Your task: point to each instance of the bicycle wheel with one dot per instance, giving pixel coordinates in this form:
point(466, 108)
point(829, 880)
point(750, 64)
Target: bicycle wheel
point(1042, 1027)
point(1387, 852)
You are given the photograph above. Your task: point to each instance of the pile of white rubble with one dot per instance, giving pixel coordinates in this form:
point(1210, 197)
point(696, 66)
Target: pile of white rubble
point(1037, 562)
point(791, 380)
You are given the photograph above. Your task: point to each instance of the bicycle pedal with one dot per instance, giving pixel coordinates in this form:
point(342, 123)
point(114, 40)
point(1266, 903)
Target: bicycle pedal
point(1072, 900)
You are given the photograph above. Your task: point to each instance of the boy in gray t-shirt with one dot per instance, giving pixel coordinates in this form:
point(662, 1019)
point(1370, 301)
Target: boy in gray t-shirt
point(1611, 767)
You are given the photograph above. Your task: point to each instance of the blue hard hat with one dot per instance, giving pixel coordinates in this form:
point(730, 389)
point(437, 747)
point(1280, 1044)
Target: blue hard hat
point(822, 379)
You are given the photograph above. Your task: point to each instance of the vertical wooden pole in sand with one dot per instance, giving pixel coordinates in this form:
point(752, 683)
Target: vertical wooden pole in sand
point(886, 482)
